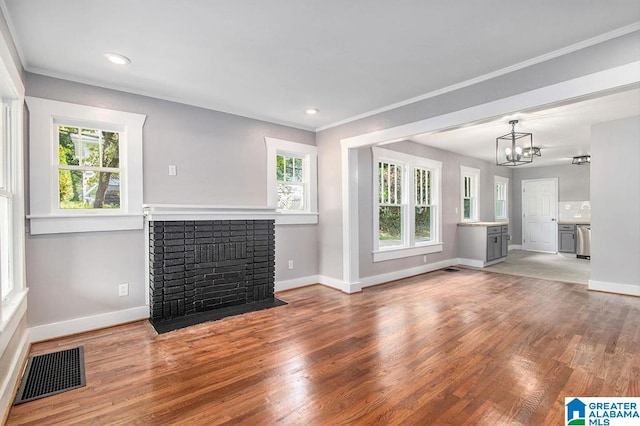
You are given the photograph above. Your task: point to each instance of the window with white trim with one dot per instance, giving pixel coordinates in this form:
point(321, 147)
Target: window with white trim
point(292, 181)
point(501, 187)
point(88, 168)
point(85, 168)
point(469, 203)
point(406, 192)
point(6, 204)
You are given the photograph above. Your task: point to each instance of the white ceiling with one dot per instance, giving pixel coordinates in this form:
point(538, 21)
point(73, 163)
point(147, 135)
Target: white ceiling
point(273, 59)
point(561, 132)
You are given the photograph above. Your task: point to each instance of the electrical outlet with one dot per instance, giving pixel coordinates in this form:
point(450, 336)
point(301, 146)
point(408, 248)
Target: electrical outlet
point(424, 259)
point(291, 264)
point(123, 289)
point(173, 170)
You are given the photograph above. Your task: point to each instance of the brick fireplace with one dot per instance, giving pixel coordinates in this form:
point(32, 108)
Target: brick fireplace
point(204, 259)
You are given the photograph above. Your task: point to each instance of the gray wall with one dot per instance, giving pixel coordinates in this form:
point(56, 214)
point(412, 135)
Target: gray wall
point(619, 51)
point(615, 202)
point(221, 160)
point(573, 185)
point(451, 163)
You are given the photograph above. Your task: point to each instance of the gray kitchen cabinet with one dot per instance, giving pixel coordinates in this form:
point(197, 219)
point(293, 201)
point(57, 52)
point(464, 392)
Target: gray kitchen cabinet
point(505, 240)
point(482, 244)
point(494, 243)
point(566, 238)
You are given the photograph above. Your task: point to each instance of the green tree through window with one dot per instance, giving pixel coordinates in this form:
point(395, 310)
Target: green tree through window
point(88, 168)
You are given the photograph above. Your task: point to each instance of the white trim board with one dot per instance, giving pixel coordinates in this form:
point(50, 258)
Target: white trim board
point(10, 384)
point(627, 289)
point(575, 88)
point(405, 273)
point(296, 283)
point(93, 322)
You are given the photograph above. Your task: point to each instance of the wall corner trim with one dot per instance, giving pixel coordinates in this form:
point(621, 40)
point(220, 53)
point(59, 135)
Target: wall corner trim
point(627, 289)
point(9, 387)
point(80, 325)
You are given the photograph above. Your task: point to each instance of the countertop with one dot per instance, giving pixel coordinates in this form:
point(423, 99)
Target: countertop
point(482, 223)
point(573, 222)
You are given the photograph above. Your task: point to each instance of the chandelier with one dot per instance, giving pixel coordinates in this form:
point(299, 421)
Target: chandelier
point(515, 148)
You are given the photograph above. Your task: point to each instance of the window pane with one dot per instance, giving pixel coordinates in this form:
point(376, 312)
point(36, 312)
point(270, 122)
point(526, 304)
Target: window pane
point(423, 224)
point(88, 189)
point(5, 282)
point(291, 196)
point(69, 150)
point(500, 209)
point(88, 147)
point(390, 225)
point(389, 183)
point(467, 208)
point(110, 155)
point(280, 168)
point(297, 175)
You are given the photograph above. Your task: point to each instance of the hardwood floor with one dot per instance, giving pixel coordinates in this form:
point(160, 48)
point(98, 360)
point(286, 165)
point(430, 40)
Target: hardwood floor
point(468, 347)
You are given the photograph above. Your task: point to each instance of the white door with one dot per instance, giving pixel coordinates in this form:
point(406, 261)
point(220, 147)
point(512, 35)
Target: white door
point(539, 213)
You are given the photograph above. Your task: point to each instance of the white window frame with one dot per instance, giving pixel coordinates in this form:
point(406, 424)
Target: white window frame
point(500, 181)
point(474, 174)
point(409, 247)
point(46, 217)
point(309, 155)
point(13, 302)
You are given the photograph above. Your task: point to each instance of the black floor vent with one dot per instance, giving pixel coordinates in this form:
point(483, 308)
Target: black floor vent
point(52, 373)
point(451, 270)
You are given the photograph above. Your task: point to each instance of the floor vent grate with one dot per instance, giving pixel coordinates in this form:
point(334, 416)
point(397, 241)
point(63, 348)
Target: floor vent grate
point(451, 270)
point(52, 373)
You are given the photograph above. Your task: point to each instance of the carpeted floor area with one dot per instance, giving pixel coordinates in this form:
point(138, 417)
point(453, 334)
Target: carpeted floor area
point(558, 267)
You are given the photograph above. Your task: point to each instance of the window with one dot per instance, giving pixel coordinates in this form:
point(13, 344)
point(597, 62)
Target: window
point(501, 185)
point(390, 204)
point(6, 198)
point(469, 179)
point(292, 181)
point(406, 198)
point(86, 168)
point(291, 184)
point(423, 193)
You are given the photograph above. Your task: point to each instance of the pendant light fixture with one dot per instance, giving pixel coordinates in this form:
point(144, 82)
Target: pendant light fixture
point(515, 148)
point(581, 160)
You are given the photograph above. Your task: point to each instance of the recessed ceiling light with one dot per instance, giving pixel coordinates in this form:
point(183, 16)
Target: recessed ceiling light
point(116, 58)
point(312, 111)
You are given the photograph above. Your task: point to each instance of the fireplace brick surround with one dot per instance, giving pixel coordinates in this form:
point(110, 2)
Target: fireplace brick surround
point(202, 265)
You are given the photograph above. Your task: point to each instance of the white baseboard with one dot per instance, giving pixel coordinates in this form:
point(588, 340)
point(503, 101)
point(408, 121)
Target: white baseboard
point(628, 289)
point(470, 262)
point(355, 287)
point(80, 325)
point(404, 273)
point(296, 283)
point(11, 382)
point(515, 246)
point(341, 285)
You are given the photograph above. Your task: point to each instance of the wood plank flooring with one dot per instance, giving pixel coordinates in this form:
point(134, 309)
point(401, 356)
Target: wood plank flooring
point(468, 347)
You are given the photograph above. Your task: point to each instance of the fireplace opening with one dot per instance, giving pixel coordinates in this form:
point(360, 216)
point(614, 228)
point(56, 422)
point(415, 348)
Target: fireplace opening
point(208, 269)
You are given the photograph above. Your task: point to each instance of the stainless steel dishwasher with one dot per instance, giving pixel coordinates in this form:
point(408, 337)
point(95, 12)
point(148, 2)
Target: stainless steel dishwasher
point(583, 243)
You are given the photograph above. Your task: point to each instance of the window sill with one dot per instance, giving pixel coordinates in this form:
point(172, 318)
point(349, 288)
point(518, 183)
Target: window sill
point(14, 307)
point(302, 218)
point(84, 223)
point(379, 256)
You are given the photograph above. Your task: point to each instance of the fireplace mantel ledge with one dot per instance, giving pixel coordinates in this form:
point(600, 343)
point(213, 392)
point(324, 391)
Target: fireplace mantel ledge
point(179, 212)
